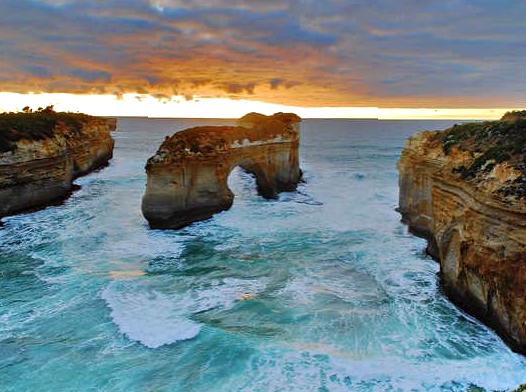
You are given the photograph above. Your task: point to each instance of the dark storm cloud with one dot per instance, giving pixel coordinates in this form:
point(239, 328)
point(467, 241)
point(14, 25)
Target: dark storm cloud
point(406, 52)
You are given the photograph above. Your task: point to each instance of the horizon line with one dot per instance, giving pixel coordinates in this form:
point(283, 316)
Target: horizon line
point(147, 106)
point(303, 118)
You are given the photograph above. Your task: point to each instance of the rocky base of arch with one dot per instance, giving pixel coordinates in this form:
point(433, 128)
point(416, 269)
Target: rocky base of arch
point(187, 177)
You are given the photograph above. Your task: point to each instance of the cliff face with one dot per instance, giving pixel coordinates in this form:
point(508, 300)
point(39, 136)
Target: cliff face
point(463, 190)
point(41, 154)
point(187, 177)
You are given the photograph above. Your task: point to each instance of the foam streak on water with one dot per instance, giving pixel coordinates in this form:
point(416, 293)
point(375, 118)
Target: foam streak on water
point(320, 290)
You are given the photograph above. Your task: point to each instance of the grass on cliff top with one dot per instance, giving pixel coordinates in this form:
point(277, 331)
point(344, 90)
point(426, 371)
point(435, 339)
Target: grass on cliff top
point(37, 125)
point(492, 142)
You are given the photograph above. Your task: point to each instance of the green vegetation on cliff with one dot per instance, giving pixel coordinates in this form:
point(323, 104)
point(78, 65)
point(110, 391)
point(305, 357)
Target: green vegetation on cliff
point(37, 125)
point(491, 143)
point(514, 115)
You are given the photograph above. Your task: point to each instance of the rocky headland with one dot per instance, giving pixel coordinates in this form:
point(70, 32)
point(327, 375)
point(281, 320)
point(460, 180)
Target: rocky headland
point(187, 177)
point(464, 190)
point(41, 153)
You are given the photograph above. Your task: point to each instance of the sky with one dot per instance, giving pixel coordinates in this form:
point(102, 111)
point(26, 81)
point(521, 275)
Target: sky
point(332, 58)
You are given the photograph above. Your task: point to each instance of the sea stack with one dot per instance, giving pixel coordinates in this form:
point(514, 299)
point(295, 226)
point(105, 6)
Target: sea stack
point(464, 189)
point(41, 153)
point(187, 177)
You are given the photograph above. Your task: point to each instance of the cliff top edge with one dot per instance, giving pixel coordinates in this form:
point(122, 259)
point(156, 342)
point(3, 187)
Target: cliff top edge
point(202, 141)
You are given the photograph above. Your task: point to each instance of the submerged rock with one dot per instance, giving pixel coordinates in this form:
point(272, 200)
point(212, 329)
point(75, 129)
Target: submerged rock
point(42, 153)
point(464, 190)
point(187, 177)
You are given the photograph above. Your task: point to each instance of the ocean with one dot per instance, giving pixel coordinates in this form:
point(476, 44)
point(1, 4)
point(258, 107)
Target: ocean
point(322, 289)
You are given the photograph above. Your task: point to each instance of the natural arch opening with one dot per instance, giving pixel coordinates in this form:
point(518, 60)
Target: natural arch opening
point(242, 184)
point(265, 183)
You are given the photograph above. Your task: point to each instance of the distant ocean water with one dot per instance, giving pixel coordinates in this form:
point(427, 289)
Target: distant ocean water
point(321, 290)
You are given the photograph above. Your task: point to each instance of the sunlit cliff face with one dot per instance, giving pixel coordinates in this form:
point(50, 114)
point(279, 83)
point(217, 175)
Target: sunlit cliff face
point(407, 53)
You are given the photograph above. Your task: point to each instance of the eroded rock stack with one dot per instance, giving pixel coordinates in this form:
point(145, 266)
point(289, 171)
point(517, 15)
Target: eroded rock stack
point(187, 177)
point(42, 153)
point(464, 189)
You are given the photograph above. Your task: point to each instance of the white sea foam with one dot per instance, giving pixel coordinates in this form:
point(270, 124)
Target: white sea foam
point(306, 368)
point(152, 319)
point(155, 319)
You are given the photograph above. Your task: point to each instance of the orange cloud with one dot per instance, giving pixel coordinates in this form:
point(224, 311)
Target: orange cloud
point(338, 54)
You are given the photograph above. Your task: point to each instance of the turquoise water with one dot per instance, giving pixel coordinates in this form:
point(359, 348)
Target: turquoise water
point(321, 290)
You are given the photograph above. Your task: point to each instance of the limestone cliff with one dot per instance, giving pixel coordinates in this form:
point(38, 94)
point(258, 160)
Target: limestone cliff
point(464, 190)
point(187, 177)
point(42, 153)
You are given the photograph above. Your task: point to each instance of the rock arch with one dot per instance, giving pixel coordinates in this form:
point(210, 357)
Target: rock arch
point(188, 176)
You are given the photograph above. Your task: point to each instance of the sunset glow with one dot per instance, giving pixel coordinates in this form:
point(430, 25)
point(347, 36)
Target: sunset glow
point(142, 105)
point(172, 58)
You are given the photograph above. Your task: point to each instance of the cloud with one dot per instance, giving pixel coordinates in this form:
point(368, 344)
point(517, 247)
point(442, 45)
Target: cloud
point(276, 83)
point(331, 53)
point(239, 88)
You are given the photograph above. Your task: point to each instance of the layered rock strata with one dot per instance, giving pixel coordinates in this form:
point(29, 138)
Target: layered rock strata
point(464, 190)
point(42, 153)
point(187, 177)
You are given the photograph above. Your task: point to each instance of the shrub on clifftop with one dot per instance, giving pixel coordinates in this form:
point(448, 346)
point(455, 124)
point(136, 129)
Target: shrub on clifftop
point(37, 125)
point(491, 143)
point(514, 115)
